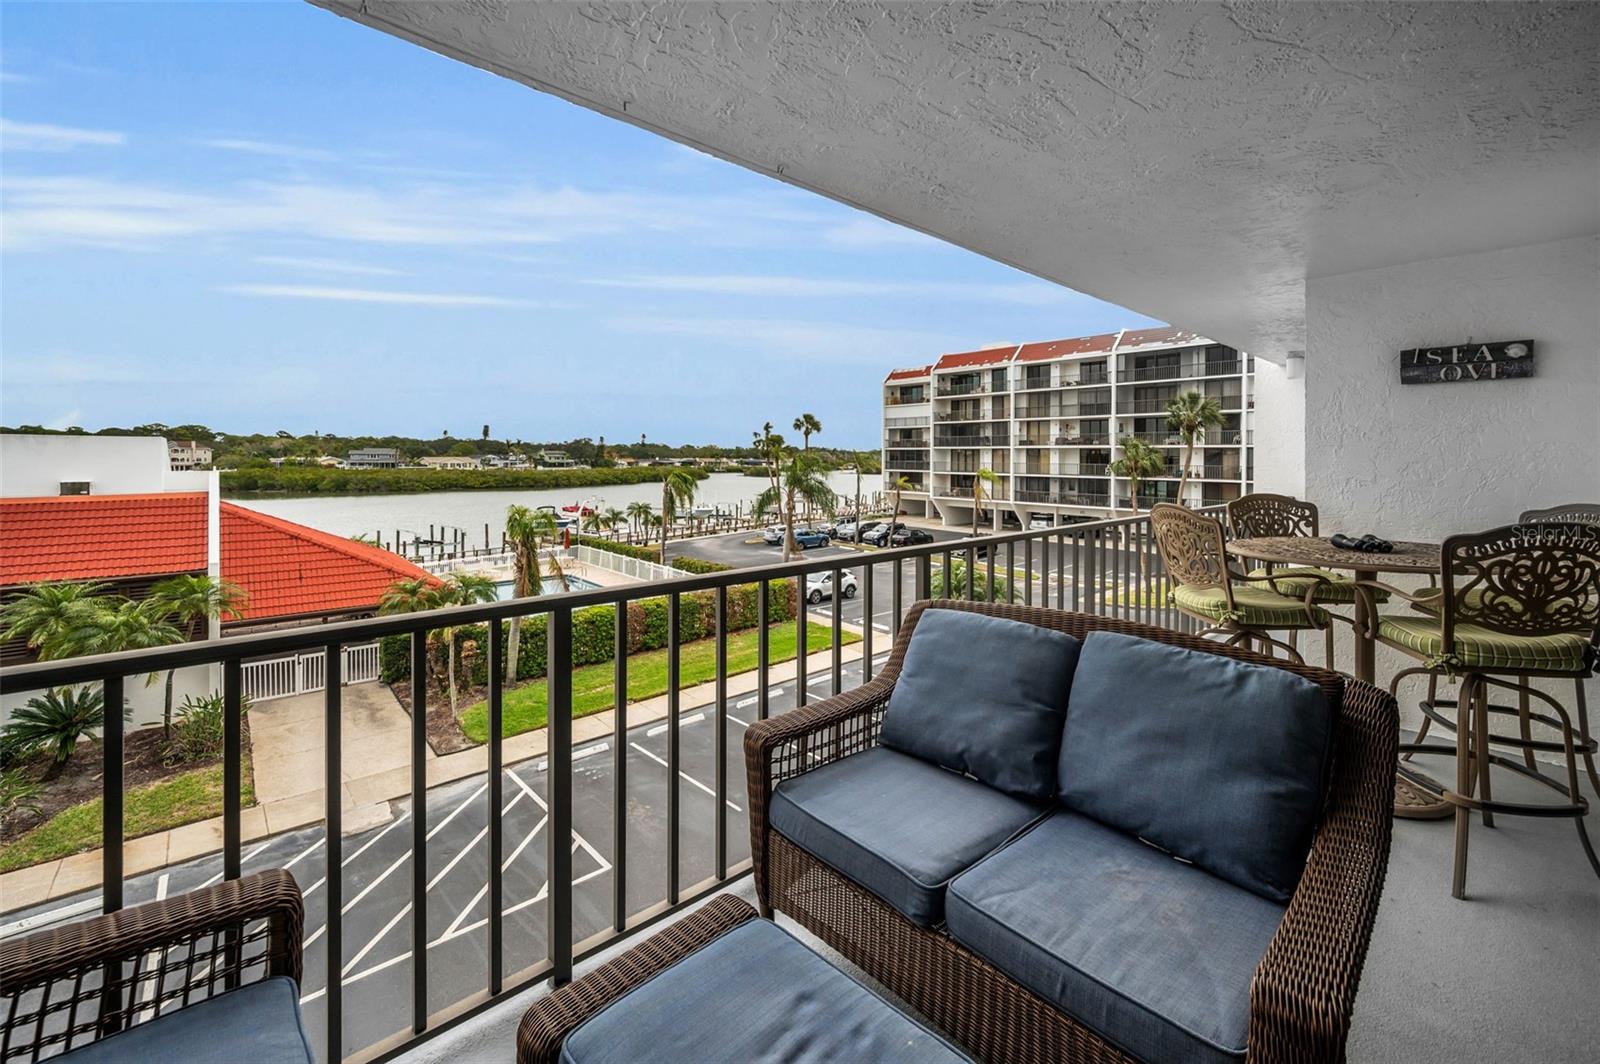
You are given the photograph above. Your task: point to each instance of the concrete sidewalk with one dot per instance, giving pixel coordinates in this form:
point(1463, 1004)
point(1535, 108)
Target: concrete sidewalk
point(286, 744)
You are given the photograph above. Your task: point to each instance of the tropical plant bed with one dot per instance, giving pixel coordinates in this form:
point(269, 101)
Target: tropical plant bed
point(156, 797)
point(525, 708)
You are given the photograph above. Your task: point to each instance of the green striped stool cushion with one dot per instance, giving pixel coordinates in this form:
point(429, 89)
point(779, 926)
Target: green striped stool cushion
point(1480, 648)
point(1341, 590)
point(1256, 605)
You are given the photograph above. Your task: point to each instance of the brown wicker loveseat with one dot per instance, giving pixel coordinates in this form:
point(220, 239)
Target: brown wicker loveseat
point(1301, 994)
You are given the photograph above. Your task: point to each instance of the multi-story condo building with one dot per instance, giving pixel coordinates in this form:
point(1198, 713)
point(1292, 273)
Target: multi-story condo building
point(187, 454)
point(1048, 420)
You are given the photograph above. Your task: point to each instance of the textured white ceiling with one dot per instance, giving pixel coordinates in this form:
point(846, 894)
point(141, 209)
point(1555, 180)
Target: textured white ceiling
point(1195, 162)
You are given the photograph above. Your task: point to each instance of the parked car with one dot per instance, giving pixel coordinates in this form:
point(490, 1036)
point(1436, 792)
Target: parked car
point(1039, 522)
point(907, 537)
point(820, 586)
point(845, 530)
point(878, 533)
point(772, 535)
point(810, 537)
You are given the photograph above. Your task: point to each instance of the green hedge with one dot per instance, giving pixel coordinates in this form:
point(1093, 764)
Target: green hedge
point(699, 565)
point(593, 630)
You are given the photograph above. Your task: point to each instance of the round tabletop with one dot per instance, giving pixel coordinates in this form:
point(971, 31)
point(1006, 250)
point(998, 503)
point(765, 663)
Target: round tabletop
point(1320, 552)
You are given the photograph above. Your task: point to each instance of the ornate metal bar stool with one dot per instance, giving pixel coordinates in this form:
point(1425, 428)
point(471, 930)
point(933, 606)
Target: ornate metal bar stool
point(1244, 607)
point(1514, 603)
point(1262, 514)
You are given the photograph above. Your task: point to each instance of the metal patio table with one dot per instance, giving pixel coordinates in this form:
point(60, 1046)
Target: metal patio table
point(1319, 552)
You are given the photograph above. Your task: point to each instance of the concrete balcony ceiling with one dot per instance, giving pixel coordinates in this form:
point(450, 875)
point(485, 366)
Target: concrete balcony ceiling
point(1194, 162)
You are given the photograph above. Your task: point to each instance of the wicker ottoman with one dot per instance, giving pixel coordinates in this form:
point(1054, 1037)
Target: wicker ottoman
point(722, 985)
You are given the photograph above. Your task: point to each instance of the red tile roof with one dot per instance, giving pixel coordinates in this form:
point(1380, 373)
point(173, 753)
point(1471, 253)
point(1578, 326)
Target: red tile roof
point(1081, 345)
point(284, 569)
point(985, 357)
point(908, 374)
point(288, 570)
point(101, 537)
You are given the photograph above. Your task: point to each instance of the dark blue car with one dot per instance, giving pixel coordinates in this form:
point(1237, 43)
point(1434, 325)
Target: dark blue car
point(810, 537)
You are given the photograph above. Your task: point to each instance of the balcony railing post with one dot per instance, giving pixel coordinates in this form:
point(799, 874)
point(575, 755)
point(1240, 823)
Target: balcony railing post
point(558, 687)
point(802, 630)
point(868, 626)
point(619, 771)
point(837, 629)
point(720, 740)
point(419, 828)
point(763, 653)
point(495, 799)
point(333, 799)
point(232, 767)
point(674, 710)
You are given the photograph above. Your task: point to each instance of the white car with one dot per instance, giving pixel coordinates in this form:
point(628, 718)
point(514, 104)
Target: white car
point(820, 586)
point(1039, 523)
point(773, 535)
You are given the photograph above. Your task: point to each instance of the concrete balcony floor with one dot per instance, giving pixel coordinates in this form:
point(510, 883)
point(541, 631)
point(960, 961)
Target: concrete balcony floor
point(1508, 974)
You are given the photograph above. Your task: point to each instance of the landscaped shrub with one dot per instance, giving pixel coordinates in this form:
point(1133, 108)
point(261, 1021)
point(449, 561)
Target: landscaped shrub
point(52, 723)
point(699, 565)
point(594, 631)
point(627, 550)
point(197, 730)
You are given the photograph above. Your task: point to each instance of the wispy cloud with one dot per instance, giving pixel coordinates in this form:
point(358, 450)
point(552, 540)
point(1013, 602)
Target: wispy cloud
point(1030, 293)
point(371, 295)
point(54, 210)
point(40, 136)
point(831, 341)
point(295, 262)
point(270, 148)
point(869, 232)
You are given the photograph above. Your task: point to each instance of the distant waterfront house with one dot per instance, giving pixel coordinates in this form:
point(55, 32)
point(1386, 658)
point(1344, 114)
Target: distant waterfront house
point(556, 460)
point(187, 454)
point(374, 458)
point(329, 461)
point(447, 461)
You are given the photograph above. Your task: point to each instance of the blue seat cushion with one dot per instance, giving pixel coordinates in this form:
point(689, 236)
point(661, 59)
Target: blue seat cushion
point(754, 994)
point(896, 825)
point(984, 696)
point(259, 1023)
point(1153, 954)
point(1221, 762)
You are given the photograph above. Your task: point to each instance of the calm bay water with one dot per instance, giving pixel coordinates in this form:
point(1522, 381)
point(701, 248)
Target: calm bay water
point(350, 515)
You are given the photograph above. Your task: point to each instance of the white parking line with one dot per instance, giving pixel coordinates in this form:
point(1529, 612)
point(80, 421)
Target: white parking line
point(374, 940)
point(743, 702)
point(660, 729)
point(590, 751)
point(450, 931)
point(685, 775)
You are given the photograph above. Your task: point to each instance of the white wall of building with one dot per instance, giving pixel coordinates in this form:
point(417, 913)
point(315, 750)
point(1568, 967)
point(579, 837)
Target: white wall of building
point(113, 465)
point(1279, 424)
point(1422, 461)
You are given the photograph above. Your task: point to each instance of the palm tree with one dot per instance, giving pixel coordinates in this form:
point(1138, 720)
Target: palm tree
point(45, 616)
point(805, 425)
point(637, 512)
point(981, 480)
point(1138, 462)
point(611, 518)
point(897, 485)
point(462, 589)
point(526, 531)
point(1189, 415)
point(677, 491)
point(797, 477)
point(54, 722)
point(185, 601)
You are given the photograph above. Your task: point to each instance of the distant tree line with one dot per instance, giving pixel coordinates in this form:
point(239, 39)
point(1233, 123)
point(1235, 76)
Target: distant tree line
point(316, 480)
point(242, 451)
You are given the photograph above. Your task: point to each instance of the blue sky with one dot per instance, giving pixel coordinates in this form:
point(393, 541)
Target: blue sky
point(262, 217)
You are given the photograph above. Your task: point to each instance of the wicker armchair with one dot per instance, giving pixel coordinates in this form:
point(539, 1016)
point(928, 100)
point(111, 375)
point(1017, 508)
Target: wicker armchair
point(67, 987)
point(1303, 990)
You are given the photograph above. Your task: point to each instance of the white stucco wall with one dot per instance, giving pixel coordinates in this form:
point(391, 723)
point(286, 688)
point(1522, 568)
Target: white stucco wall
point(113, 465)
point(1280, 426)
point(1422, 461)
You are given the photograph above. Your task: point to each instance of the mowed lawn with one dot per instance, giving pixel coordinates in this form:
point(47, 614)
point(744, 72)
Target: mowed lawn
point(169, 803)
point(525, 708)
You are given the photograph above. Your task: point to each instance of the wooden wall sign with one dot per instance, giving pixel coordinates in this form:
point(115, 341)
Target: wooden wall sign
point(1501, 360)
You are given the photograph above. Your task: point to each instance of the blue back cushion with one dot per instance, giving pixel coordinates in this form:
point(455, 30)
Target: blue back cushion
point(1219, 762)
point(984, 696)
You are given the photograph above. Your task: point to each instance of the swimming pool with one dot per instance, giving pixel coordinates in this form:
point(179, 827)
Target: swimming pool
point(551, 586)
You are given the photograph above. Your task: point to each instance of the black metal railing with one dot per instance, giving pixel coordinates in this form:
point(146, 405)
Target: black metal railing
point(946, 388)
point(1106, 567)
point(977, 439)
